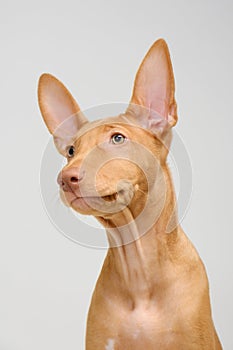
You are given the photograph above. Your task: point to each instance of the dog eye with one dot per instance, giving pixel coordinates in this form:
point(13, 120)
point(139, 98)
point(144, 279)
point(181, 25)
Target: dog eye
point(70, 151)
point(118, 139)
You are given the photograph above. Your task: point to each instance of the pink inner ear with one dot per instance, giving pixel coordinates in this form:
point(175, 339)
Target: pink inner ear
point(58, 105)
point(60, 111)
point(154, 83)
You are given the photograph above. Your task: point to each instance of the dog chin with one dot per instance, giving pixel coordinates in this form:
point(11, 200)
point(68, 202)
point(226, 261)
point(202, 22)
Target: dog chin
point(81, 206)
point(76, 203)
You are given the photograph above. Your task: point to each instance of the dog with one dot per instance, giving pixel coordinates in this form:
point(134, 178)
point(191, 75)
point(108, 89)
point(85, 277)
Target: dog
point(153, 290)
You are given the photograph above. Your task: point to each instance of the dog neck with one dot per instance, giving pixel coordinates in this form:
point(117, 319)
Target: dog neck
point(139, 247)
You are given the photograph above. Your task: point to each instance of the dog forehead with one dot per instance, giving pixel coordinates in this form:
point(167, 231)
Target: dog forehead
point(106, 124)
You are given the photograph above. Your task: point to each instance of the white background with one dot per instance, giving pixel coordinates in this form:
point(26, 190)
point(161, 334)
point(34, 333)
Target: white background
point(95, 47)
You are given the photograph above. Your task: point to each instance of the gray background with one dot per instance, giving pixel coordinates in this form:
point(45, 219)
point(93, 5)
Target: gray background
point(95, 47)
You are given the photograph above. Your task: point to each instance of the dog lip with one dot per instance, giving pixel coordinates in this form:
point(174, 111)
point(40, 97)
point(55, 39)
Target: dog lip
point(109, 197)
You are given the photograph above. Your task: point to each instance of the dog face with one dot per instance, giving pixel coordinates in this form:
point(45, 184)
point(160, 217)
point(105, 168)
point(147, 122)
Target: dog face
point(113, 163)
point(109, 167)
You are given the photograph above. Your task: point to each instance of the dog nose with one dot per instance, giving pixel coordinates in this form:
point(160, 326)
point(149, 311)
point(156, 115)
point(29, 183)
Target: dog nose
point(69, 179)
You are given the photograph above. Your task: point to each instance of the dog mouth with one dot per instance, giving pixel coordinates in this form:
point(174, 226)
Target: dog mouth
point(99, 202)
point(92, 204)
point(108, 198)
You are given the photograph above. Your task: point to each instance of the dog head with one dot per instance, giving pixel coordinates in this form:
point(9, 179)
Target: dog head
point(113, 163)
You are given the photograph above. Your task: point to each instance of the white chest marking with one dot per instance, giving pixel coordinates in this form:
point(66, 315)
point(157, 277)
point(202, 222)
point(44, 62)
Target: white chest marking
point(136, 334)
point(110, 345)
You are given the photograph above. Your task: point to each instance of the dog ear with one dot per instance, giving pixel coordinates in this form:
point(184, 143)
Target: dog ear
point(153, 100)
point(60, 111)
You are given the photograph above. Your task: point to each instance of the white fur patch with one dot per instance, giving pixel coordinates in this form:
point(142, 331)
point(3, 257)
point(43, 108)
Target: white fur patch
point(110, 345)
point(136, 334)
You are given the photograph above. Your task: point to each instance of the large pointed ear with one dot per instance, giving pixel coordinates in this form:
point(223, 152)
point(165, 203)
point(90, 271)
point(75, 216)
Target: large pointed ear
point(60, 111)
point(153, 94)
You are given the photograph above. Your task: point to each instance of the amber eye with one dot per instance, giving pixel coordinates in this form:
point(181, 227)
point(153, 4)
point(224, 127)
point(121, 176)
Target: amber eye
point(70, 151)
point(117, 139)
